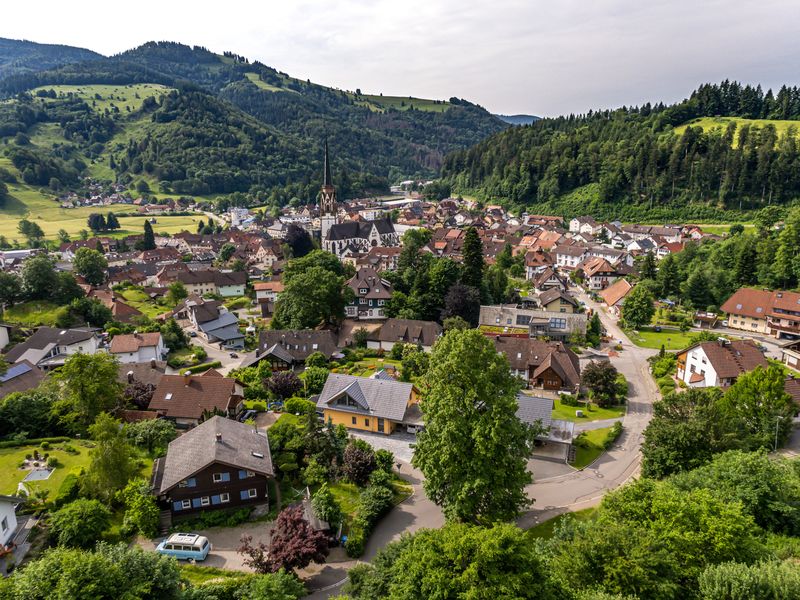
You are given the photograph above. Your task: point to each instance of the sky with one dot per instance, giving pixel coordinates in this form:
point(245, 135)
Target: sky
point(542, 57)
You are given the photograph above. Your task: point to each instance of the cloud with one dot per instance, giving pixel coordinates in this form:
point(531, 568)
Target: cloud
point(543, 57)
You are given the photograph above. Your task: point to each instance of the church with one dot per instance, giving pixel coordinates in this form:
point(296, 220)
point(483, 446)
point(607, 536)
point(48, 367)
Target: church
point(352, 237)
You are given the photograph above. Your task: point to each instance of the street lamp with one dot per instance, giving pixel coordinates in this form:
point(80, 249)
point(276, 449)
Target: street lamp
point(777, 422)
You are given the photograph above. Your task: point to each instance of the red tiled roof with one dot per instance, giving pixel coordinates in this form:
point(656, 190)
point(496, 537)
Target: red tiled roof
point(749, 302)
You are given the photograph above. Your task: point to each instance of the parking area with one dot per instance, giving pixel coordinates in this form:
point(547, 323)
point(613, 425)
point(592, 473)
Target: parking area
point(398, 443)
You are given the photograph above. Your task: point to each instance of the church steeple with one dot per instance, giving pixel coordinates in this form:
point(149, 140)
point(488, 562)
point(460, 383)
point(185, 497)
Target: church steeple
point(327, 182)
point(327, 202)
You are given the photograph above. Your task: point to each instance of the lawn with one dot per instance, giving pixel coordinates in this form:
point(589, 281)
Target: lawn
point(197, 575)
point(672, 339)
point(594, 438)
point(708, 123)
point(346, 494)
point(592, 413)
point(11, 475)
point(378, 103)
point(142, 302)
point(545, 530)
point(254, 79)
point(368, 366)
point(32, 314)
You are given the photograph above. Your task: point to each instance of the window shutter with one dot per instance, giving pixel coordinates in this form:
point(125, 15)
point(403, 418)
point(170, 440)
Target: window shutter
point(215, 499)
point(226, 477)
point(243, 495)
point(191, 482)
point(242, 474)
point(177, 505)
point(196, 502)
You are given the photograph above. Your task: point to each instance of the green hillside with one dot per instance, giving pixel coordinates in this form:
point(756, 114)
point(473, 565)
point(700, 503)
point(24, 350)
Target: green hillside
point(644, 162)
point(21, 56)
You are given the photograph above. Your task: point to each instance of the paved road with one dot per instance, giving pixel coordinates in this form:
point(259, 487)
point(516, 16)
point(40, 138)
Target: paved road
point(583, 489)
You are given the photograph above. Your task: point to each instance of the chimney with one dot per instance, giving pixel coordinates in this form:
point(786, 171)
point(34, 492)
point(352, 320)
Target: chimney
point(219, 438)
point(152, 363)
point(187, 378)
point(130, 376)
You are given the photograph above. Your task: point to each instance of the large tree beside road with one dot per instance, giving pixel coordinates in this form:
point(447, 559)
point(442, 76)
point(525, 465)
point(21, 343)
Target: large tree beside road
point(474, 450)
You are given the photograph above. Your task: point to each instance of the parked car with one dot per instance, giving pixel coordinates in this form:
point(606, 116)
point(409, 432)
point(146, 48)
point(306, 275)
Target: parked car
point(725, 323)
point(248, 414)
point(234, 355)
point(192, 334)
point(185, 546)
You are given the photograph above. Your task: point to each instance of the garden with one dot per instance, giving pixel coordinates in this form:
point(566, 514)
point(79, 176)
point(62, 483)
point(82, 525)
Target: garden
point(589, 445)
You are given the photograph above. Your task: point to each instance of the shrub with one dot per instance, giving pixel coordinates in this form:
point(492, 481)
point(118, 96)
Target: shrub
point(359, 463)
point(214, 518)
point(67, 491)
point(568, 400)
point(315, 473)
point(381, 478)
point(385, 460)
point(24, 442)
point(52, 462)
point(201, 368)
point(45, 446)
point(354, 546)
point(299, 406)
point(69, 449)
point(612, 436)
point(325, 505)
point(622, 387)
point(80, 523)
point(374, 502)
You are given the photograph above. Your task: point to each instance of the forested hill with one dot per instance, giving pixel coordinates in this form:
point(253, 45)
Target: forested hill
point(727, 148)
point(22, 56)
point(382, 138)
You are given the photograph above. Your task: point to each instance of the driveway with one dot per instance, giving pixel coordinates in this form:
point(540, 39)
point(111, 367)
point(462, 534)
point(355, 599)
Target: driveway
point(583, 489)
point(223, 356)
point(398, 443)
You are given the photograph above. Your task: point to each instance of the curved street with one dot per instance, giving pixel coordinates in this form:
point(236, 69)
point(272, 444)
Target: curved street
point(552, 496)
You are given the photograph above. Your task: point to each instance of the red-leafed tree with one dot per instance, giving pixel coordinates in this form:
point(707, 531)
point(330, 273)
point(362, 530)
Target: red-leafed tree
point(294, 544)
point(284, 384)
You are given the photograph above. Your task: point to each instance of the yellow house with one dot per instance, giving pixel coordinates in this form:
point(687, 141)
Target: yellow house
point(377, 403)
point(557, 300)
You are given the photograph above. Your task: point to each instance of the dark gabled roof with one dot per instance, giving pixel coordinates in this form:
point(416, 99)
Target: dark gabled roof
point(524, 353)
point(408, 330)
point(146, 372)
point(533, 409)
point(241, 447)
point(218, 278)
point(367, 278)
point(731, 359)
point(20, 377)
point(359, 229)
point(555, 293)
point(46, 336)
point(186, 396)
point(377, 397)
point(299, 343)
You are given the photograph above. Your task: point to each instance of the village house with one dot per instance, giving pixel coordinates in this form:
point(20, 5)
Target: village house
point(556, 440)
point(220, 283)
point(5, 335)
point(185, 399)
point(718, 363)
point(224, 330)
point(287, 349)
point(49, 347)
point(597, 273)
point(509, 319)
point(569, 257)
point(408, 331)
point(370, 294)
point(138, 347)
point(549, 279)
point(540, 364)
point(556, 300)
point(378, 403)
point(761, 311)
point(267, 291)
point(584, 225)
point(379, 258)
point(221, 463)
point(8, 521)
point(614, 295)
point(20, 377)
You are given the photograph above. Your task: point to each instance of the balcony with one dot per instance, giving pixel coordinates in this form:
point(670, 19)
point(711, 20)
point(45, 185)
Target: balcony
point(792, 328)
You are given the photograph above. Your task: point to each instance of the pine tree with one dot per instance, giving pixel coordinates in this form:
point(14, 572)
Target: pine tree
point(472, 273)
point(111, 221)
point(648, 269)
point(149, 239)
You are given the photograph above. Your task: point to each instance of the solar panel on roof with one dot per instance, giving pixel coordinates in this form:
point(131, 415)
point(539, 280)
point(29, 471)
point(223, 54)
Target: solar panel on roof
point(15, 371)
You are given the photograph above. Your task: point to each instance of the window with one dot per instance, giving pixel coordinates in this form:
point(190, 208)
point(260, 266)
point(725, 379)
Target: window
point(523, 319)
point(362, 291)
point(4, 524)
point(220, 477)
point(366, 422)
point(186, 504)
point(362, 300)
point(355, 420)
point(556, 323)
point(497, 319)
point(205, 501)
point(225, 497)
point(252, 493)
point(244, 474)
point(190, 482)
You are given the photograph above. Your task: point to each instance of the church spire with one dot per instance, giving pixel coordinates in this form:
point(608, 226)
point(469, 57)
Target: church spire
point(327, 178)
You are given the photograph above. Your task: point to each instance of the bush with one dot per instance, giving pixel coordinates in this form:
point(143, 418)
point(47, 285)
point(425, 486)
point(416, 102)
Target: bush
point(616, 431)
point(52, 462)
point(381, 478)
point(385, 460)
point(258, 406)
point(622, 387)
point(568, 400)
point(214, 518)
point(201, 368)
point(69, 449)
point(45, 446)
point(67, 491)
point(299, 406)
point(354, 546)
point(374, 502)
point(80, 523)
point(17, 443)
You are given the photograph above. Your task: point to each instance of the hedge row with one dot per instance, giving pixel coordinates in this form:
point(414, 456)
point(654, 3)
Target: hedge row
point(203, 367)
point(33, 442)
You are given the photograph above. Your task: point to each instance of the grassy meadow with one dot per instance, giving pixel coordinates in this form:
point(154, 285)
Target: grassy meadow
point(124, 98)
point(708, 123)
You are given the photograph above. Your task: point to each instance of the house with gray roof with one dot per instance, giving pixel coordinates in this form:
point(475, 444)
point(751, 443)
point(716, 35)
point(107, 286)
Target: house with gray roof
point(374, 403)
point(221, 463)
point(556, 439)
point(223, 330)
point(49, 347)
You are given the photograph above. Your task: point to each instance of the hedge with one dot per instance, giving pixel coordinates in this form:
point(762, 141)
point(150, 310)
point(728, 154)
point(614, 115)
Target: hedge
point(200, 368)
point(33, 442)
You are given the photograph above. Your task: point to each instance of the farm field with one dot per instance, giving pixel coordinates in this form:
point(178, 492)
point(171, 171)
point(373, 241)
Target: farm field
point(28, 202)
point(707, 123)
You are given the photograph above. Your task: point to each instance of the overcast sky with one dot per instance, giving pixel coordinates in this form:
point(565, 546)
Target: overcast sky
point(543, 57)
